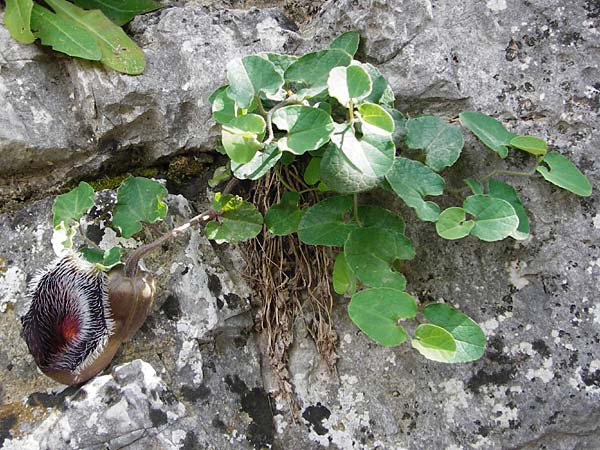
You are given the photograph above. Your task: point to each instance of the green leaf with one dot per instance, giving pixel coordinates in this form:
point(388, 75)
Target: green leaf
point(138, 200)
point(375, 216)
point(375, 119)
point(377, 311)
point(93, 255)
point(241, 137)
point(530, 144)
point(119, 52)
point(223, 108)
point(236, 224)
point(120, 11)
point(344, 281)
point(495, 218)
point(489, 131)
point(259, 165)
point(325, 224)
point(313, 69)
point(373, 253)
point(381, 92)
point(112, 257)
point(221, 173)
point(434, 343)
point(412, 181)
point(348, 84)
point(347, 42)
point(507, 193)
point(280, 61)
point(250, 76)
point(441, 142)
point(468, 336)
point(17, 19)
point(63, 35)
point(72, 205)
point(103, 259)
point(563, 173)
point(475, 186)
point(452, 224)
point(312, 173)
point(226, 202)
point(399, 126)
point(283, 218)
point(308, 128)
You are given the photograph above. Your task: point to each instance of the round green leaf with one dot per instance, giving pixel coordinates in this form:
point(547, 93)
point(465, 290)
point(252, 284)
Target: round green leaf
point(563, 173)
point(530, 144)
point(452, 224)
point(412, 181)
point(507, 193)
point(468, 336)
point(138, 200)
point(313, 69)
point(441, 142)
point(223, 108)
point(495, 218)
point(489, 131)
point(372, 253)
point(325, 223)
point(241, 137)
point(377, 311)
point(308, 128)
point(260, 164)
point(283, 218)
point(375, 216)
point(236, 224)
point(344, 281)
point(375, 119)
point(348, 84)
point(249, 76)
point(347, 42)
point(72, 205)
point(434, 343)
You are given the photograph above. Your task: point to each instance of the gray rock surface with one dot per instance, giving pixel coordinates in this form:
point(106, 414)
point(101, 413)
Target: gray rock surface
point(534, 64)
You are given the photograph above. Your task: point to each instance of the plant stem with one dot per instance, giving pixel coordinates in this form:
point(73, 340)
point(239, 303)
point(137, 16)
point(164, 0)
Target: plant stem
point(356, 218)
point(261, 108)
point(350, 110)
point(509, 172)
point(131, 266)
point(288, 101)
point(281, 180)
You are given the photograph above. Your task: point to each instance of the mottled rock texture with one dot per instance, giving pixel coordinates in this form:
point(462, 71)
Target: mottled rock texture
point(533, 64)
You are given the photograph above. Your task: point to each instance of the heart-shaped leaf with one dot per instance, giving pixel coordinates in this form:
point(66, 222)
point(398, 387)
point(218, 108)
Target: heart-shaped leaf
point(348, 84)
point(237, 224)
point(250, 76)
point(72, 205)
point(313, 69)
point(105, 260)
point(530, 144)
point(489, 131)
point(325, 224)
point(507, 193)
point(563, 173)
point(308, 128)
point(494, 219)
point(441, 142)
point(242, 137)
point(260, 164)
point(452, 224)
point(376, 216)
point(283, 218)
point(434, 343)
point(377, 311)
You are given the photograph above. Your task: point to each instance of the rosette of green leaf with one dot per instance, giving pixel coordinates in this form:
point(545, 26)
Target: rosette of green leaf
point(452, 224)
point(376, 216)
point(251, 76)
point(242, 137)
point(120, 11)
point(138, 200)
point(381, 92)
point(377, 312)
point(530, 144)
point(119, 52)
point(412, 181)
point(105, 260)
point(441, 142)
point(347, 42)
point(284, 217)
point(375, 120)
point(280, 61)
point(468, 336)
point(223, 108)
point(259, 165)
point(70, 207)
point(434, 343)
point(307, 128)
point(17, 19)
point(506, 192)
point(344, 281)
point(312, 173)
point(312, 70)
point(374, 253)
point(325, 223)
point(350, 165)
point(348, 85)
point(238, 222)
point(489, 131)
point(564, 174)
point(494, 218)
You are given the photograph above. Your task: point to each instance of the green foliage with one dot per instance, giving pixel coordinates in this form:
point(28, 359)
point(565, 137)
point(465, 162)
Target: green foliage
point(105, 260)
point(238, 222)
point(88, 29)
point(328, 122)
point(70, 207)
